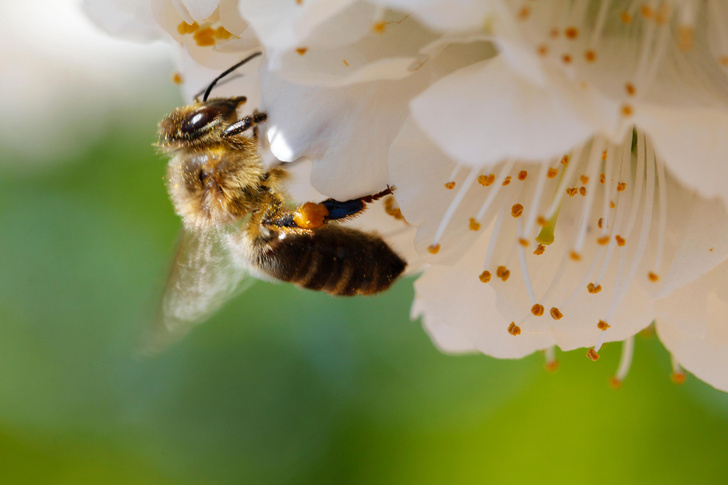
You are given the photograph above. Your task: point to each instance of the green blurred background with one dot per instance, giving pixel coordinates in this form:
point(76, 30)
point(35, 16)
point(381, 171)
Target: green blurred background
point(284, 386)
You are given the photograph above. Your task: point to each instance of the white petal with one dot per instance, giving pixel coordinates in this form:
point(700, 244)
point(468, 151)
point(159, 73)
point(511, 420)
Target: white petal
point(345, 131)
point(693, 143)
point(130, 19)
point(200, 10)
point(285, 25)
point(484, 113)
point(462, 15)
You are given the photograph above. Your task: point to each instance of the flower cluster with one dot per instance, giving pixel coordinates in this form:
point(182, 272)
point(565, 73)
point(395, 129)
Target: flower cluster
point(560, 165)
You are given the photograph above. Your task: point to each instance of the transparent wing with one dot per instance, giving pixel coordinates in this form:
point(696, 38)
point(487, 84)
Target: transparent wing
point(203, 276)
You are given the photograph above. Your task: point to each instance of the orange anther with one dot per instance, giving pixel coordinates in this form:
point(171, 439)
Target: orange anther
point(629, 87)
point(602, 178)
point(626, 110)
point(523, 242)
point(575, 256)
point(614, 382)
point(177, 78)
point(571, 33)
point(591, 353)
point(507, 180)
point(204, 37)
point(484, 276)
point(473, 225)
point(185, 28)
point(621, 186)
point(584, 179)
point(537, 310)
point(522, 175)
point(678, 377)
point(450, 185)
point(556, 313)
point(652, 276)
point(572, 191)
point(582, 191)
point(486, 180)
point(514, 329)
point(517, 210)
point(539, 250)
point(593, 289)
point(600, 222)
point(378, 27)
point(552, 172)
point(541, 221)
point(603, 241)
point(590, 55)
point(302, 50)
point(433, 248)
point(620, 240)
point(602, 325)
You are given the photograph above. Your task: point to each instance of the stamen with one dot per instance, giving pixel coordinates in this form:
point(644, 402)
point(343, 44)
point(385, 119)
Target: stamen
point(484, 277)
point(514, 329)
point(522, 175)
point(539, 250)
point(625, 360)
point(537, 310)
point(453, 206)
point(678, 375)
point(496, 189)
point(662, 217)
point(602, 325)
point(556, 313)
point(302, 50)
point(450, 185)
point(473, 225)
point(592, 354)
point(433, 248)
point(551, 363)
point(622, 287)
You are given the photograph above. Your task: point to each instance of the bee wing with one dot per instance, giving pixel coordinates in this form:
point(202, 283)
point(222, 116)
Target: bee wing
point(204, 275)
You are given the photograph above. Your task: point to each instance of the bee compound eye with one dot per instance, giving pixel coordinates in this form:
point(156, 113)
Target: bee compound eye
point(198, 120)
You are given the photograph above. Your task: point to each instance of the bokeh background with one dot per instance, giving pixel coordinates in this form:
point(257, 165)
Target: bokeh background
point(283, 386)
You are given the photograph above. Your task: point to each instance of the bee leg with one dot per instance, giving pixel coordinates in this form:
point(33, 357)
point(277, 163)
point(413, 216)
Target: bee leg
point(349, 208)
point(245, 124)
point(312, 215)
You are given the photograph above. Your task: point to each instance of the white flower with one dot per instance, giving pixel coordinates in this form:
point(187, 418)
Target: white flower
point(563, 162)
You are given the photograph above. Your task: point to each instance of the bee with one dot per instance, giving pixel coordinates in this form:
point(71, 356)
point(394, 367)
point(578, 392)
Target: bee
point(237, 220)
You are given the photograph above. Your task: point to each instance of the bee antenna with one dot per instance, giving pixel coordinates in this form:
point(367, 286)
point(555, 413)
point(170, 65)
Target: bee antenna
point(227, 71)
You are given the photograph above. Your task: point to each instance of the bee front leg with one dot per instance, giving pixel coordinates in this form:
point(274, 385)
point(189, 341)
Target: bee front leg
point(245, 124)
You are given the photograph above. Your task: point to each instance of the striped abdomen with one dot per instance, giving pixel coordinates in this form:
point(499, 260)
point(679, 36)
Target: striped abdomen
point(335, 259)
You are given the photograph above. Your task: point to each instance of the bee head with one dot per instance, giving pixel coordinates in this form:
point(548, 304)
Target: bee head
point(198, 123)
